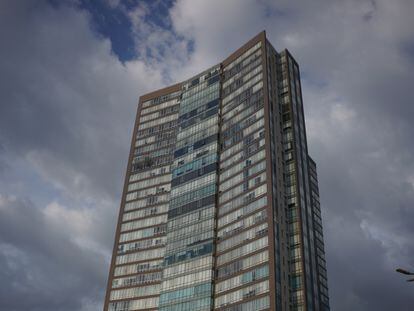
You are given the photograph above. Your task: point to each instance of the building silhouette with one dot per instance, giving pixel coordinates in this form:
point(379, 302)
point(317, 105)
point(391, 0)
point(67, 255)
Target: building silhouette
point(220, 208)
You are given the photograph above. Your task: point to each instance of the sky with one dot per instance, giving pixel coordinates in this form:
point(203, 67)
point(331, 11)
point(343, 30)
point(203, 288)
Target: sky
point(71, 73)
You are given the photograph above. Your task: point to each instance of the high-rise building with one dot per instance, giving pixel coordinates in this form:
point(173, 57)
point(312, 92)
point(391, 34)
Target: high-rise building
point(220, 208)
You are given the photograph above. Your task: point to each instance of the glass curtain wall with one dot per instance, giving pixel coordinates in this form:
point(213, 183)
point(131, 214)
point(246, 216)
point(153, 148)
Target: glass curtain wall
point(220, 208)
point(137, 273)
point(303, 273)
point(322, 280)
point(188, 266)
point(242, 281)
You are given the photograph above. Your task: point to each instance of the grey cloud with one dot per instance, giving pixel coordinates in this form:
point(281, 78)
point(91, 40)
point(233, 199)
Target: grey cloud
point(44, 269)
point(59, 95)
point(66, 117)
point(366, 158)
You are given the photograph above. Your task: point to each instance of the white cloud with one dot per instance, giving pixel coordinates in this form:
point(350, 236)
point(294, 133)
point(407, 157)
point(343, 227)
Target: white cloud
point(216, 27)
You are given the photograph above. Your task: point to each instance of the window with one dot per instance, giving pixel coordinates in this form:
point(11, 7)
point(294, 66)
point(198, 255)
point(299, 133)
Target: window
point(135, 292)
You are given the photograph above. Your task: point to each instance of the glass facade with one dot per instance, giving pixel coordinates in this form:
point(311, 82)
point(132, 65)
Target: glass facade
point(141, 240)
point(242, 227)
point(220, 209)
point(322, 279)
point(189, 263)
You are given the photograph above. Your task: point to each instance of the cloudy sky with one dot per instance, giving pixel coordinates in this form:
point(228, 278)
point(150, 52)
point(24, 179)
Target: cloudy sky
point(70, 76)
